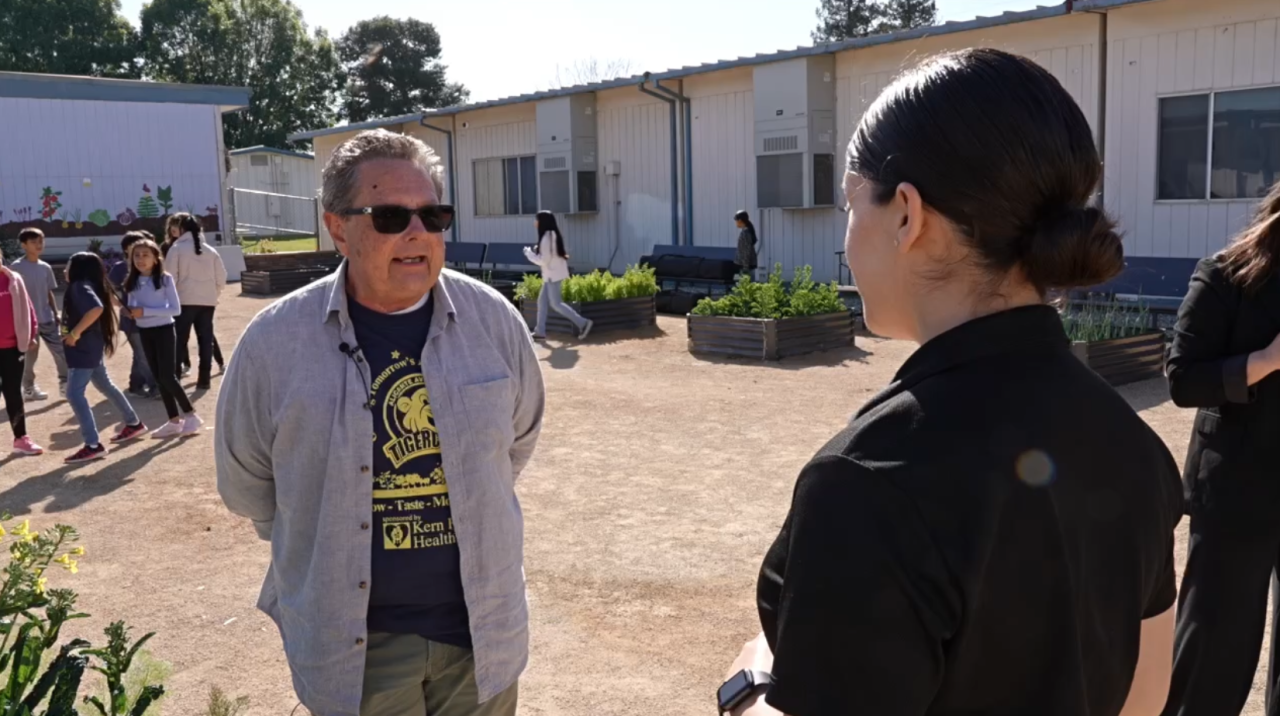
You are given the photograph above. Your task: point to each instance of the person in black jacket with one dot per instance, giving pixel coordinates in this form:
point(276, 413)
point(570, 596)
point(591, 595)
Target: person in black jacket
point(746, 253)
point(993, 533)
point(1223, 361)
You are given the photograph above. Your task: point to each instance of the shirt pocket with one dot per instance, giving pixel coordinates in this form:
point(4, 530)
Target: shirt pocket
point(489, 408)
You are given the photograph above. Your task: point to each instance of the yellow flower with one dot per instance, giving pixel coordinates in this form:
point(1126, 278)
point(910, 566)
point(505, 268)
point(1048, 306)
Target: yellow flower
point(78, 551)
point(2, 532)
point(23, 529)
point(40, 584)
point(29, 537)
point(64, 559)
point(72, 568)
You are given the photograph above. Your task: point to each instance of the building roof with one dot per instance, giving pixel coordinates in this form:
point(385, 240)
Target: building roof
point(260, 149)
point(1086, 5)
point(946, 28)
point(37, 86)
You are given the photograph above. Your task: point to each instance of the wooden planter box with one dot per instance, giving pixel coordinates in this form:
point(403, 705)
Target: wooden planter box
point(269, 283)
point(620, 314)
point(507, 289)
point(292, 261)
point(769, 339)
point(1124, 360)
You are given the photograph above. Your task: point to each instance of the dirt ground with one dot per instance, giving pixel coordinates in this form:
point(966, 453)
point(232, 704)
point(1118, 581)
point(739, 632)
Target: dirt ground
point(659, 482)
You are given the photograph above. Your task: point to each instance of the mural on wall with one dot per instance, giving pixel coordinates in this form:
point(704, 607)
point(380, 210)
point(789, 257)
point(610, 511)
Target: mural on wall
point(57, 220)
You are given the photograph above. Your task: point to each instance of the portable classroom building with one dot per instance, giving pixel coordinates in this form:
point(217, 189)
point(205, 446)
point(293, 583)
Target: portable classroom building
point(679, 152)
point(277, 191)
point(87, 158)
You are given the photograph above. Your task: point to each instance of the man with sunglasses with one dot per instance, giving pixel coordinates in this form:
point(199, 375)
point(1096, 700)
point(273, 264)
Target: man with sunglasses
point(396, 573)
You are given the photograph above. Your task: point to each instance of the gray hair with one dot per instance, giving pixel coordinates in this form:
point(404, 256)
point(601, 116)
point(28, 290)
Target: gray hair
point(339, 175)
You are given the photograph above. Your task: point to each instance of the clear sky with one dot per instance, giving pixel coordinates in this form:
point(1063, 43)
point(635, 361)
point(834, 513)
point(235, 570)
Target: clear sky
point(499, 48)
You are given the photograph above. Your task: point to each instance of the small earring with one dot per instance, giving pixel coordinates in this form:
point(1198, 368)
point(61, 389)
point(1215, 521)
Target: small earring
point(897, 242)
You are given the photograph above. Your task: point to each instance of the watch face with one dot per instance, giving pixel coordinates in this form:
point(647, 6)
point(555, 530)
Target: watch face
point(735, 690)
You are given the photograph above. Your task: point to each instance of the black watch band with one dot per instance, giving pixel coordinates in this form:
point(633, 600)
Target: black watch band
point(740, 687)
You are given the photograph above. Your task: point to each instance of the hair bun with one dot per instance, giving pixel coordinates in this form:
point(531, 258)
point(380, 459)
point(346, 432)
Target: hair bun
point(1074, 248)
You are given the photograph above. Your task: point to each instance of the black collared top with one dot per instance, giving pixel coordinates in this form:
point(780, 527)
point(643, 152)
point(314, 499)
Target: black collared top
point(984, 538)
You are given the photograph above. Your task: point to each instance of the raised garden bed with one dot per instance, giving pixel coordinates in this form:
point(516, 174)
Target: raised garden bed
point(292, 261)
point(1124, 360)
point(617, 314)
point(270, 283)
point(506, 288)
point(768, 338)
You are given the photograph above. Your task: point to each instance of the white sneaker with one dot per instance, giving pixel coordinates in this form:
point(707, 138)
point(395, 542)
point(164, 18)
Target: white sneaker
point(191, 424)
point(168, 430)
point(586, 330)
point(34, 393)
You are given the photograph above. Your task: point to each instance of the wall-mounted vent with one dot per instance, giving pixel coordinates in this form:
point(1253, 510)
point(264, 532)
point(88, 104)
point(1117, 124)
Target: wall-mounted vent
point(555, 163)
point(782, 144)
point(258, 160)
point(567, 154)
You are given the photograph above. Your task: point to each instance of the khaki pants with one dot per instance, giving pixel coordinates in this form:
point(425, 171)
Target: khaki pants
point(406, 675)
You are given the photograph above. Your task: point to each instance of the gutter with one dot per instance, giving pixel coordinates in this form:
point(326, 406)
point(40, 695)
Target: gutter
point(453, 184)
point(675, 170)
point(688, 158)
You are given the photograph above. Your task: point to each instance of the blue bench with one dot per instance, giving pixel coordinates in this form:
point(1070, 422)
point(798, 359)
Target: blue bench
point(1158, 280)
point(465, 256)
point(717, 254)
point(511, 257)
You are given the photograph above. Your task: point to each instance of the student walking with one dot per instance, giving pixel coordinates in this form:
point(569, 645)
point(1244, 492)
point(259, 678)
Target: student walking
point(89, 334)
point(40, 283)
point(1225, 362)
point(554, 261)
point(152, 301)
point(746, 253)
point(200, 276)
point(17, 335)
point(141, 382)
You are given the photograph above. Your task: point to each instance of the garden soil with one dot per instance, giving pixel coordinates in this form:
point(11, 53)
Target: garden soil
point(659, 482)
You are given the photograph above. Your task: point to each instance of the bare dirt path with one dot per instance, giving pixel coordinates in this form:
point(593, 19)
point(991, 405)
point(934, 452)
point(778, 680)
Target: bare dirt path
point(659, 482)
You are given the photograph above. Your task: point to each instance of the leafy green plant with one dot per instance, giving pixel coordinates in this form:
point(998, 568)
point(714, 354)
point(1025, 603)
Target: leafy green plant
point(116, 659)
point(99, 217)
point(10, 248)
point(95, 246)
point(635, 282)
point(1104, 322)
point(774, 299)
point(221, 705)
point(164, 194)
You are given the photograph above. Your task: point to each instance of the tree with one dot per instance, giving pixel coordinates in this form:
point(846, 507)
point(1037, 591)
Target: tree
point(260, 44)
point(908, 14)
point(846, 19)
point(585, 72)
point(69, 37)
point(393, 68)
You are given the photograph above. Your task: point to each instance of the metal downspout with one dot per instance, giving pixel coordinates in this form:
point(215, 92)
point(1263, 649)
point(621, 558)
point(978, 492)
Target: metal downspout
point(453, 184)
point(675, 169)
point(688, 158)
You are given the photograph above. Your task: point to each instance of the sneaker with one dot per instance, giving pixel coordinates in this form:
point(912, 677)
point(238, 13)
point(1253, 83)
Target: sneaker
point(62, 389)
point(88, 454)
point(191, 424)
point(137, 392)
point(186, 371)
point(539, 337)
point(586, 330)
point(27, 446)
point(34, 393)
point(168, 430)
point(129, 432)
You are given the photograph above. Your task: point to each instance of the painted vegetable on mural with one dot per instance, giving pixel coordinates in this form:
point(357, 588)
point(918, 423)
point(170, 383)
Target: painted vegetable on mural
point(147, 207)
point(99, 218)
point(126, 217)
point(49, 203)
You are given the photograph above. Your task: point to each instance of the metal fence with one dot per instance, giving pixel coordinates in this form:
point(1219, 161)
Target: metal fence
point(261, 214)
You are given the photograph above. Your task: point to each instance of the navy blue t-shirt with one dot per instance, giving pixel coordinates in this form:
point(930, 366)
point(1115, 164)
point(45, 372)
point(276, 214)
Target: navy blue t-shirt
point(416, 581)
point(87, 352)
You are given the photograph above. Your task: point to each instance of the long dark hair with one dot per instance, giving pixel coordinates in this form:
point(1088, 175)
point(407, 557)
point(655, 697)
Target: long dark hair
point(994, 143)
point(157, 272)
point(745, 218)
point(88, 267)
point(547, 222)
point(187, 224)
point(1254, 256)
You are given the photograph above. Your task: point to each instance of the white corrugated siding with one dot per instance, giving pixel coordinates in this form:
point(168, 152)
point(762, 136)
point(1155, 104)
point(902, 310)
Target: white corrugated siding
point(117, 146)
point(288, 175)
point(1168, 48)
point(500, 132)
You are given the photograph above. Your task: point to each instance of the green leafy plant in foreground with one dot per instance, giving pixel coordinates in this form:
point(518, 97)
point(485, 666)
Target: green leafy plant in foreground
point(774, 299)
point(33, 680)
point(222, 705)
point(635, 282)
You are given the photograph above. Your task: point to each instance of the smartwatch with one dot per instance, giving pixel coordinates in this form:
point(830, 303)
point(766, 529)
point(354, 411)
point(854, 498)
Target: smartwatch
point(741, 687)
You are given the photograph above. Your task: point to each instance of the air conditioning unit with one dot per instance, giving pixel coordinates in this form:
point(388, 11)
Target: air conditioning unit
point(795, 138)
point(567, 166)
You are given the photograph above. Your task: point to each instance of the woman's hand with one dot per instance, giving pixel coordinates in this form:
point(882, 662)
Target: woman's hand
point(756, 655)
point(71, 339)
point(135, 313)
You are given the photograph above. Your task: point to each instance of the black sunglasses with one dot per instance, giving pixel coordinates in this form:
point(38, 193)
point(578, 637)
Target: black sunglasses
point(390, 219)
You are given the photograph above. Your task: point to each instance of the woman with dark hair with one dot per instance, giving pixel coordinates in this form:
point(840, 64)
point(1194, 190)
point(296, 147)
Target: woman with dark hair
point(152, 302)
point(746, 256)
point(200, 275)
point(993, 533)
point(550, 255)
point(1224, 362)
point(88, 334)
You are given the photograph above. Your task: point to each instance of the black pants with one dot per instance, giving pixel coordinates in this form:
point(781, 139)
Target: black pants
point(201, 318)
point(159, 344)
point(11, 365)
point(1222, 609)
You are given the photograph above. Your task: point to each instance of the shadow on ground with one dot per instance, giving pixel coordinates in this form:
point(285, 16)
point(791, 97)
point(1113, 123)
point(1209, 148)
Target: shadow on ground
point(823, 359)
point(73, 486)
point(1146, 395)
